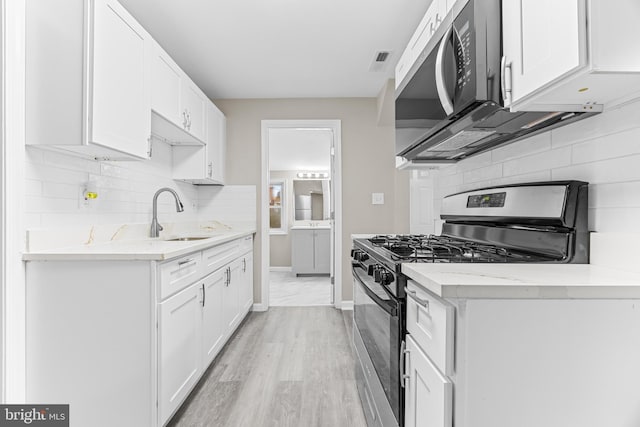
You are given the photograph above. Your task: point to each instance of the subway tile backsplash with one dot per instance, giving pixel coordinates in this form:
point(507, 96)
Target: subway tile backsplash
point(54, 183)
point(603, 150)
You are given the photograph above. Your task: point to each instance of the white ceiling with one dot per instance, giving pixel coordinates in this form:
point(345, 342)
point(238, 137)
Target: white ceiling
point(299, 150)
point(281, 48)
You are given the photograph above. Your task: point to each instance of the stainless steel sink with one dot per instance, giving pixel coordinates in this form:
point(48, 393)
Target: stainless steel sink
point(186, 239)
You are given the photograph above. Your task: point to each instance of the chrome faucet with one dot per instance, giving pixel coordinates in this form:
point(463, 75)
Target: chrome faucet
point(155, 227)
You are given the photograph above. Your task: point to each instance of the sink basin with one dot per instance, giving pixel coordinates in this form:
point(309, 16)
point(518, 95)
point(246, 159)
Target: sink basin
point(186, 239)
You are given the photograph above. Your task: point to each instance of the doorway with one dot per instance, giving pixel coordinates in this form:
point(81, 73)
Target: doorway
point(301, 213)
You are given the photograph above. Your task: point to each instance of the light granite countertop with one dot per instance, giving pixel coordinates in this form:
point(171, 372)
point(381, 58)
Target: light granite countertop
point(128, 242)
point(525, 281)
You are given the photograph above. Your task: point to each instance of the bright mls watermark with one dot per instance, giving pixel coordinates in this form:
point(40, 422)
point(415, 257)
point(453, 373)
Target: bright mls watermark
point(34, 415)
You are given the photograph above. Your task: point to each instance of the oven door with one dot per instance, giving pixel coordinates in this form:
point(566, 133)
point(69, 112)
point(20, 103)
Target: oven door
point(377, 316)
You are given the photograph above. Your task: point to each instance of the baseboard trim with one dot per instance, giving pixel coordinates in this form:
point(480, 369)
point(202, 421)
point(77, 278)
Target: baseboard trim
point(258, 307)
point(285, 269)
point(346, 305)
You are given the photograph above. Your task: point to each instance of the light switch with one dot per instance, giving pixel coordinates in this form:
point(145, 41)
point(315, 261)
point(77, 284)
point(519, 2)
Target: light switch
point(377, 198)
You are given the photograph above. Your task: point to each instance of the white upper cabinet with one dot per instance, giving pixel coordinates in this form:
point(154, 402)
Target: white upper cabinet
point(179, 106)
point(204, 165)
point(570, 55)
point(88, 86)
point(417, 47)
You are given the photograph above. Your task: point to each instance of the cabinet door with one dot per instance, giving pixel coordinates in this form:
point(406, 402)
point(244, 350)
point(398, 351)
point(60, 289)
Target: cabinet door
point(166, 78)
point(539, 49)
point(322, 251)
point(179, 348)
point(231, 296)
point(246, 292)
point(428, 398)
point(213, 325)
point(302, 250)
point(216, 143)
point(194, 107)
point(120, 92)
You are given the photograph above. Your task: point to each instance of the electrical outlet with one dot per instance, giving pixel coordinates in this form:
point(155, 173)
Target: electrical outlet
point(377, 198)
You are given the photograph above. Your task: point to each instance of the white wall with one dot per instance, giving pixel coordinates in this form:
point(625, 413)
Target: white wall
point(603, 150)
point(54, 183)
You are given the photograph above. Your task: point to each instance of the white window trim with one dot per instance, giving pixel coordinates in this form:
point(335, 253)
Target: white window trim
point(284, 224)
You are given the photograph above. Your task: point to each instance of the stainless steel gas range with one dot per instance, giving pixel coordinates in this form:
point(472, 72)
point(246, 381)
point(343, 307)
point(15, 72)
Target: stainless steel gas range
point(543, 222)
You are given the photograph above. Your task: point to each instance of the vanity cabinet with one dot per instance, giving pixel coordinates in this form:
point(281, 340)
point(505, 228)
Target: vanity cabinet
point(578, 60)
point(88, 79)
point(311, 250)
point(141, 332)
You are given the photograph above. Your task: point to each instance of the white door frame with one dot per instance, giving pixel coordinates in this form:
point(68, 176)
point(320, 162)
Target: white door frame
point(12, 160)
point(336, 180)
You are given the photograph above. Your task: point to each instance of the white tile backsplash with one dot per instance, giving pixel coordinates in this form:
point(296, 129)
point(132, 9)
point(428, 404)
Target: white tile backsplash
point(55, 181)
point(603, 150)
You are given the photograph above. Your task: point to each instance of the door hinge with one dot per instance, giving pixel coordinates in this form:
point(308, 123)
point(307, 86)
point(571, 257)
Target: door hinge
point(333, 151)
point(333, 280)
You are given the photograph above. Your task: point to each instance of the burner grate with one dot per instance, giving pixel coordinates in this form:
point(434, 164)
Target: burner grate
point(431, 248)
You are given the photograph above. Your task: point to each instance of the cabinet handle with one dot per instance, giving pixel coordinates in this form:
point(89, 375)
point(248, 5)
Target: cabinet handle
point(414, 296)
point(505, 78)
point(204, 294)
point(403, 352)
point(244, 265)
point(149, 147)
point(228, 272)
point(188, 120)
point(186, 261)
point(210, 171)
point(184, 119)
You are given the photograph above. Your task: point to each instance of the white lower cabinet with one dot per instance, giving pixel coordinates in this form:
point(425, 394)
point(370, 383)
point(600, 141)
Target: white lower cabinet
point(213, 331)
point(246, 283)
point(179, 347)
point(428, 394)
point(231, 295)
point(505, 362)
point(136, 335)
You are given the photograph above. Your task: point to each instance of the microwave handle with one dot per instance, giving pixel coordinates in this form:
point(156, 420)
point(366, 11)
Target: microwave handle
point(445, 100)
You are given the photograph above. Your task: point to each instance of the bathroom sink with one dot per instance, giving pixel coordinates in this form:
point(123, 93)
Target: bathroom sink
point(187, 238)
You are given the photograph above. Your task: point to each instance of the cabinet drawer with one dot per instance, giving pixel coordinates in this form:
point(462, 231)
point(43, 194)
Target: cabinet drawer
point(179, 273)
point(430, 321)
point(246, 244)
point(217, 256)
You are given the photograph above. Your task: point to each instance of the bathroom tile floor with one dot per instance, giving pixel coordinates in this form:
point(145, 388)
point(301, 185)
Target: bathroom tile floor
point(285, 289)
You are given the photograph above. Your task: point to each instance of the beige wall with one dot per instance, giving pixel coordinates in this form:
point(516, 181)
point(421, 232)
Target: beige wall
point(368, 164)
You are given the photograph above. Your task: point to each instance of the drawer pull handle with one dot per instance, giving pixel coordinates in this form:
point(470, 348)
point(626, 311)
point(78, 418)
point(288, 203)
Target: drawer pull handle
point(414, 296)
point(186, 261)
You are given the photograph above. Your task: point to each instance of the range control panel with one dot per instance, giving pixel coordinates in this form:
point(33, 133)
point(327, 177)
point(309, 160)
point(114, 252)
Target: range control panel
point(492, 200)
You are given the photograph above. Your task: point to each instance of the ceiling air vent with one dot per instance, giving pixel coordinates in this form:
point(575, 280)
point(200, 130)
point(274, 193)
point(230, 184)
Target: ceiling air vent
point(379, 62)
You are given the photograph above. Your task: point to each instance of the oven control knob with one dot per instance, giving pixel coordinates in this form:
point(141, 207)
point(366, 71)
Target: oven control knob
point(386, 278)
point(364, 256)
point(370, 269)
point(377, 274)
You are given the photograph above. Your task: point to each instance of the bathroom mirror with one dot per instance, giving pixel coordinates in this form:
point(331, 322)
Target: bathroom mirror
point(311, 199)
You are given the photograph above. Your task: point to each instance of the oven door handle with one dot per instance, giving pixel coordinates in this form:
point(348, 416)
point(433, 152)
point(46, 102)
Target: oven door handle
point(386, 306)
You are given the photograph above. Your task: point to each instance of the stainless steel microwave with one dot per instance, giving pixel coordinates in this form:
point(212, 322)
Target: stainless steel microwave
point(452, 105)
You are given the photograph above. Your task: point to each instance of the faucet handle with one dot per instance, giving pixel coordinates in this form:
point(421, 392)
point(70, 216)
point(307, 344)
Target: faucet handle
point(160, 227)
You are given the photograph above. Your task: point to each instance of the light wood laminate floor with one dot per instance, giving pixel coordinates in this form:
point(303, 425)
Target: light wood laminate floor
point(290, 366)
